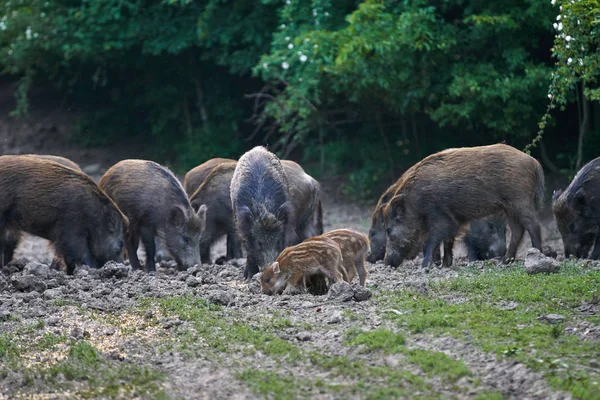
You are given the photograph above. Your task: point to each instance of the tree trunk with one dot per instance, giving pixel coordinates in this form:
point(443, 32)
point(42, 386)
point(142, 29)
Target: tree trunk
point(188, 118)
point(584, 124)
point(200, 100)
point(546, 160)
point(387, 147)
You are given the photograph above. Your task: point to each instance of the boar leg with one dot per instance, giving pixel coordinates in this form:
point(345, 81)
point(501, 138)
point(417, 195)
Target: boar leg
point(251, 267)
point(535, 231)
point(516, 235)
point(362, 270)
point(596, 252)
point(234, 249)
point(430, 245)
point(205, 251)
point(333, 276)
point(133, 240)
point(148, 241)
point(448, 245)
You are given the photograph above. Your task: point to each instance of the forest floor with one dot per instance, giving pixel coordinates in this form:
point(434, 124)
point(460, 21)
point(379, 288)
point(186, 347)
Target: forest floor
point(480, 330)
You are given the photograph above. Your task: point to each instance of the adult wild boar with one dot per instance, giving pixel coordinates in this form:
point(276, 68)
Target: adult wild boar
point(377, 232)
point(486, 238)
point(577, 212)
point(214, 191)
point(156, 205)
point(446, 190)
point(13, 236)
point(197, 175)
point(260, 201)
point(62, 205)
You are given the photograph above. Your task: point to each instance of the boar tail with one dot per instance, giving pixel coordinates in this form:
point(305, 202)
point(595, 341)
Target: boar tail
point(539, 190)
point(319, 217)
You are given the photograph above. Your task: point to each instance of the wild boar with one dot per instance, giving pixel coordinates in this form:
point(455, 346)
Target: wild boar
point(156, 205)
point(577, 212)
point(297, 263)
point(355, 247)
point(260, 201)
point(61, 160)
point(486, 238)
point(213, 191)
point(197, 175)
point(449, 189)
point(62, 205)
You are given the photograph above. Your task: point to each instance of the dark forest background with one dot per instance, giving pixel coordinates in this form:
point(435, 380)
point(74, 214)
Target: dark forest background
point(359, 89)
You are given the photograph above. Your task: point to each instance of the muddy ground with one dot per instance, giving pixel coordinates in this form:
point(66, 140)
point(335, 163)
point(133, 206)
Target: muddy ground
point(102, 308)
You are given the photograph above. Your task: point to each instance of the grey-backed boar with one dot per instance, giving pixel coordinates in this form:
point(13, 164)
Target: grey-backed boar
point(445, 191)
point(295, 264)
point(355, 247)
point(12, 236)
point(62, 205)
point(156, 205)
point(577, 212)
point(213, 191)
point(486, 238)
point(262, 211)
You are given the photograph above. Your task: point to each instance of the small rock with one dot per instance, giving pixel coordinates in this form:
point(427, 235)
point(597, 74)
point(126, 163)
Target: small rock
point(537, 263)
point(220, 297)
point(192, 281)
point(28, 283)
point(304, 336)
point(168, 323)
point(53, 321)
point(51, 294)
point(36, 268)
point(336, 318)
point(109, 332)
point(341, 291)
point(4, 315)
point(81, 272)
point(594, 363)
point(79, 334)
point(552, 318)
point(195, 270)
point(115, 269)
point(254, 285)
point(361, 293)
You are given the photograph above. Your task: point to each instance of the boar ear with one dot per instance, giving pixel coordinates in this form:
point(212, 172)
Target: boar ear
point(284, 213)
point(177, 216)
point(201, 213)
point(276, 268)
point(397, 205)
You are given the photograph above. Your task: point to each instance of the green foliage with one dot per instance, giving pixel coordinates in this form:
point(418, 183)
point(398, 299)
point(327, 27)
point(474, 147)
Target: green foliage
point(186, 77)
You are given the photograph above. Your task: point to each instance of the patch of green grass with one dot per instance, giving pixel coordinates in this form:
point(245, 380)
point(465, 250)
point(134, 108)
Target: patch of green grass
point(65, 303)
point(271, 384)
point(9, 348)
point(388, 342)
point(87, 373)
point(49, 340)
point(379, 339)
point(511, 331)
point(489, 396)
point(439, 364)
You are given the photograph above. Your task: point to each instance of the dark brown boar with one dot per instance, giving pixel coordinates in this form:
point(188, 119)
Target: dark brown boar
point(214, 193)
point(295, 264)
point(61, 160)
point(445, 191)
point(305, 196)
point(577, 212)
point(262, 211)
point(62, 205)
point(13, 237)
point(156, 205)
point(197, 175)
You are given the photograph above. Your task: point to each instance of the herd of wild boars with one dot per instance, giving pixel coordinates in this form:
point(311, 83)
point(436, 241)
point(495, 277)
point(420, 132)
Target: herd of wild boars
point(270, 211)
